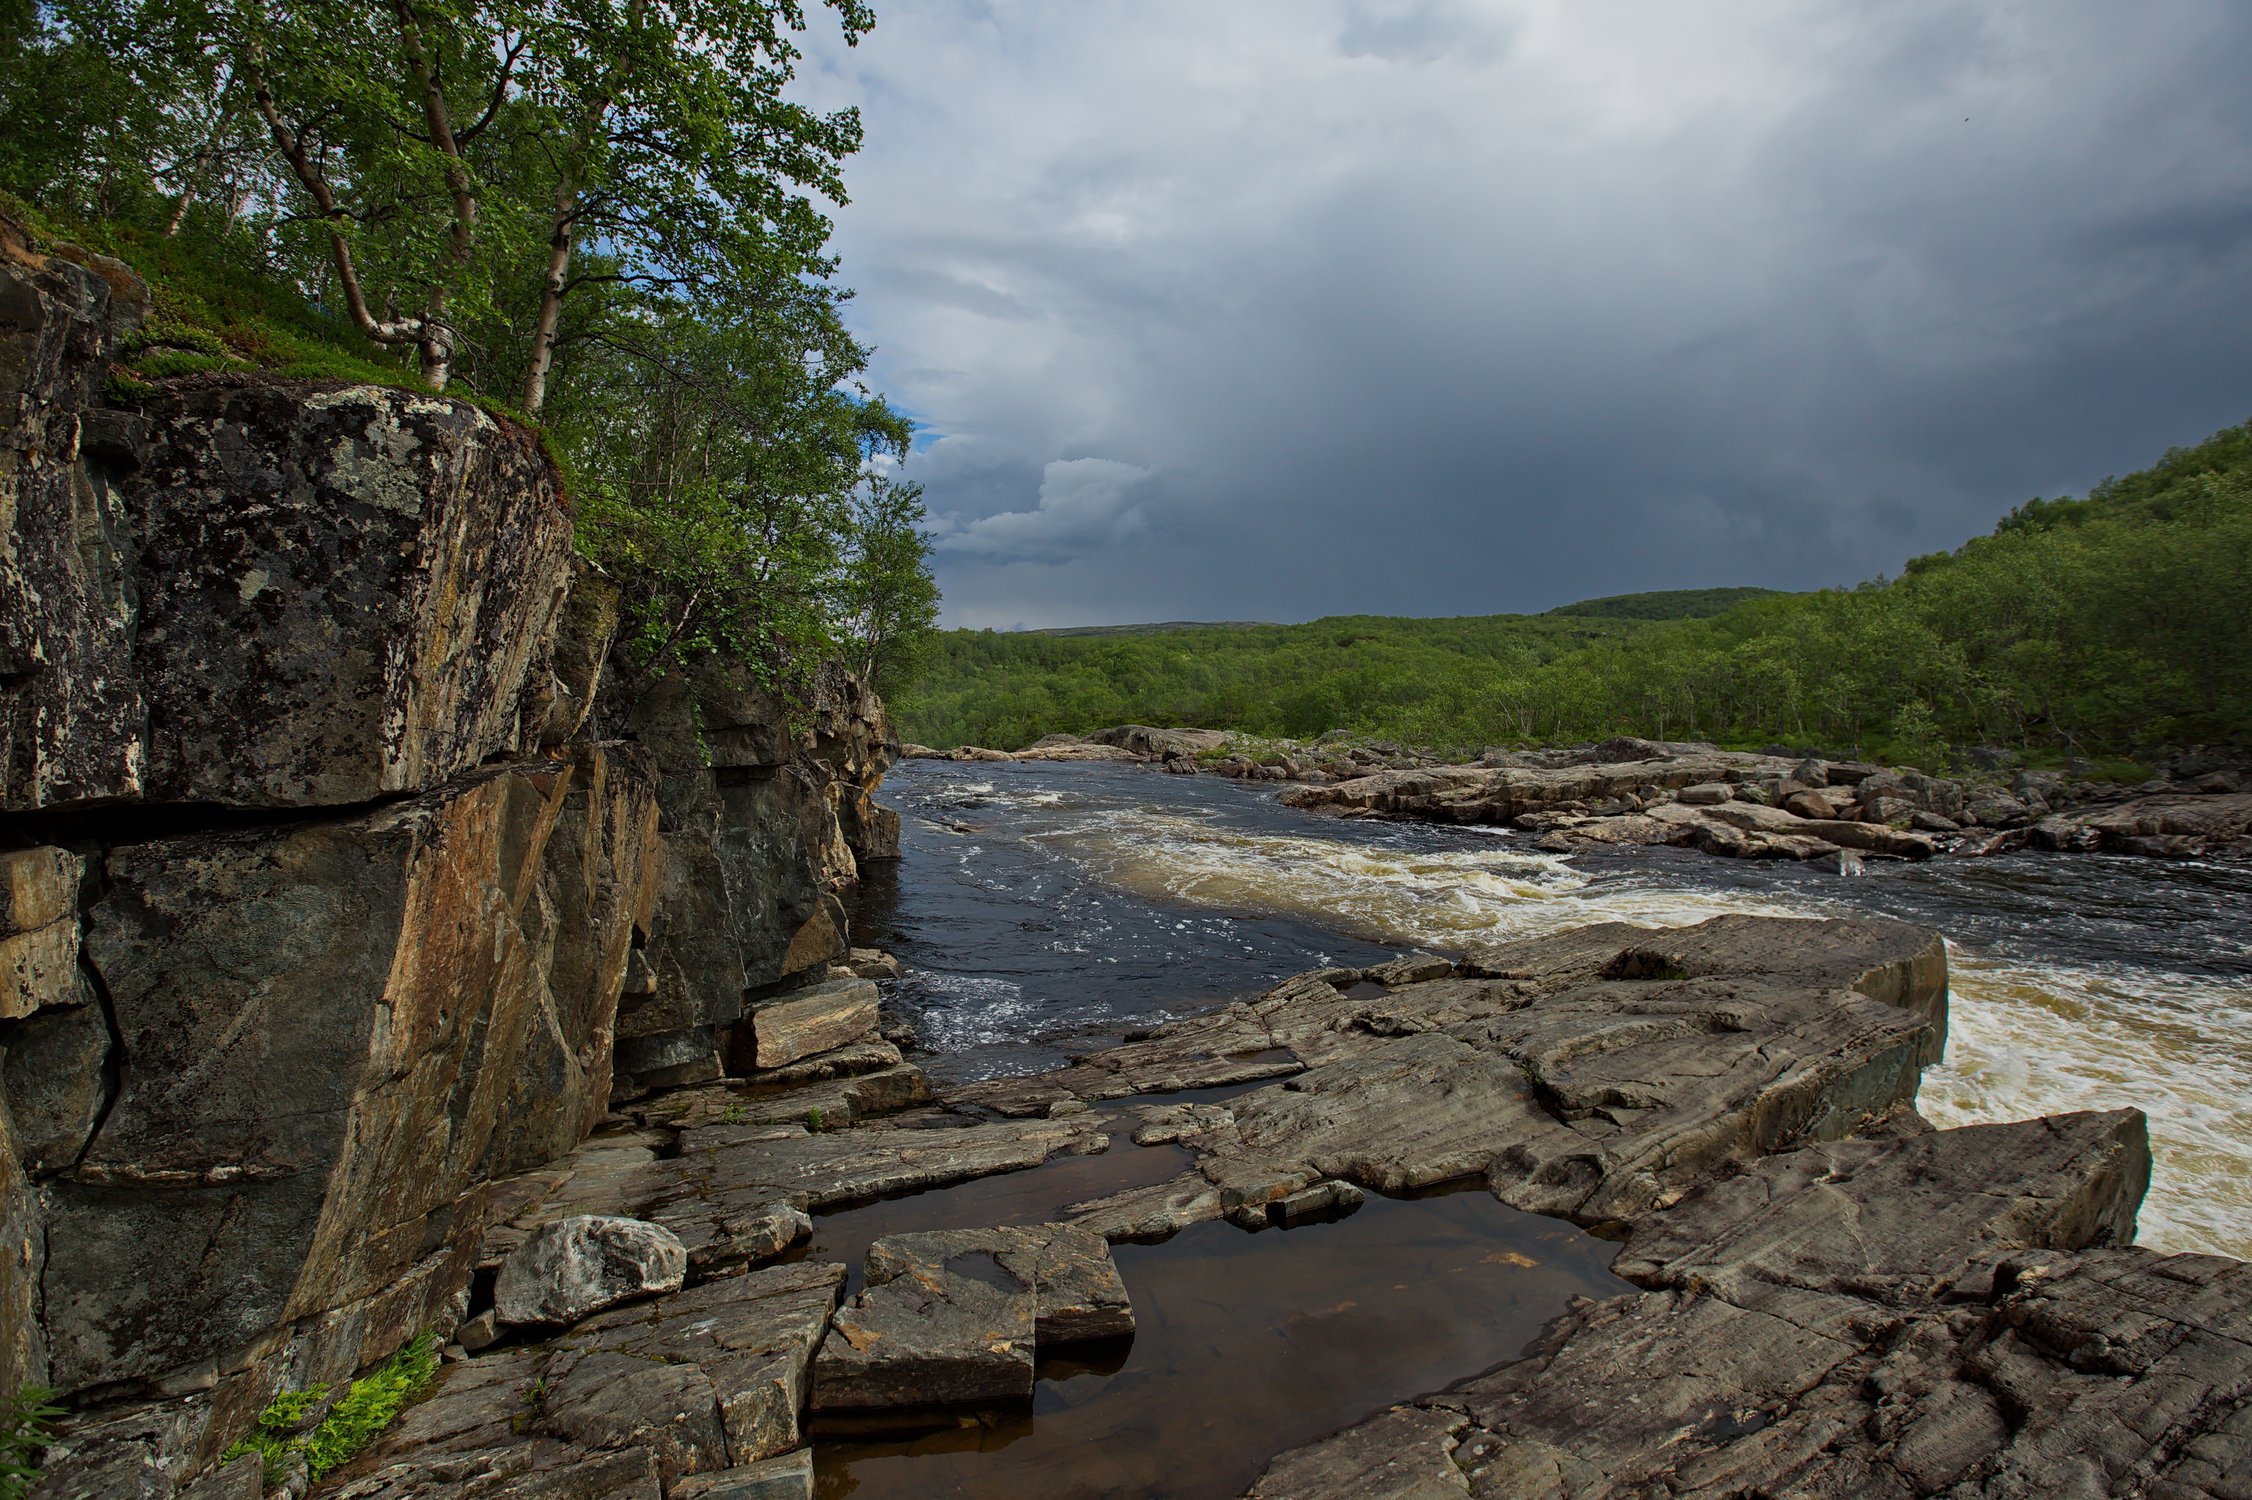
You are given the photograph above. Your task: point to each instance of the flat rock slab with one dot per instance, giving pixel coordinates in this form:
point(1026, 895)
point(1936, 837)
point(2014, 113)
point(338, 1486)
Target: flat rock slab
point(789, 1477)
point(736, 1195)
point(1594, 1075)
point(953, 1317)
point(707, 1381)
point(1075, 1287)
point(820, 1019)
point(1896, 1317)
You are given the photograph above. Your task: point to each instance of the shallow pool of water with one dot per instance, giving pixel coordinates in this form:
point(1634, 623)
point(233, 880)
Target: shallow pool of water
point(1248, 1344)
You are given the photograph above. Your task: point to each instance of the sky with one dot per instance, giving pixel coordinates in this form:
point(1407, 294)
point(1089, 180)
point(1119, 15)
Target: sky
point(1275, 309)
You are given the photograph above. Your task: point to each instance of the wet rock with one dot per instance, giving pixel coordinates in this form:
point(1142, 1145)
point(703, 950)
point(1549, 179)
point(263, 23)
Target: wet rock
point(634, 1402)
point(952, 1317)
point(1068, 1272)
point(1414, 968)
point(578, 1266)
point(2200, 824)
point(811, 1021)
point(956, 1334)
point(1598, 1074)
point(1851, 1320)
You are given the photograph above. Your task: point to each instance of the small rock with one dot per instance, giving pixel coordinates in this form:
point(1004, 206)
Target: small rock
point(819, 1019)
point(577, 1266)
point(789, 1477)
point(1706, 794)
point(479, 1332)
point(1414, 968)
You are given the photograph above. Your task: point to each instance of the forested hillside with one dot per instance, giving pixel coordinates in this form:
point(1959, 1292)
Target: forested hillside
point(2103, 625)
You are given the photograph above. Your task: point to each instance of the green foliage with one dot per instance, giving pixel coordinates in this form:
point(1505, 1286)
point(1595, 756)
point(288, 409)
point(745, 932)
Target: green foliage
point(26, 1426)
point(1665, 604)
point(368, 1405)
point(2107, 625)
point(598, 211)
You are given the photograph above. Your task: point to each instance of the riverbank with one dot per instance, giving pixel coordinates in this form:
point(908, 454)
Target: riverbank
point(1630, 792)
point(1732, 1101)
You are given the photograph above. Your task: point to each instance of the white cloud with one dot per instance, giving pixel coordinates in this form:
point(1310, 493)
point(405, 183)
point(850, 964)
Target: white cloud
point(1085, 504)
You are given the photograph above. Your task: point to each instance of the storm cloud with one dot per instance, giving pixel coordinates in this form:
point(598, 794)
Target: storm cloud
point(1283, 308)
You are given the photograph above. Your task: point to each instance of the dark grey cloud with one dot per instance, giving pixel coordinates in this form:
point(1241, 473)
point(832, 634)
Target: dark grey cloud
point(1296, 307)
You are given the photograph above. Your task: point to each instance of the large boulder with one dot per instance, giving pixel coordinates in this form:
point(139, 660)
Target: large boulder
point(575, 1267)
point(345, 592)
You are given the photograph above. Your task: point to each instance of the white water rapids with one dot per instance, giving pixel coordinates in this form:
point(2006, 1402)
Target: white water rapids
point(2029, 1033)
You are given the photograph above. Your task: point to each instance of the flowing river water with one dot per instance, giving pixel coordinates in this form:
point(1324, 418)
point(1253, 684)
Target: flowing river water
point(1047, 908)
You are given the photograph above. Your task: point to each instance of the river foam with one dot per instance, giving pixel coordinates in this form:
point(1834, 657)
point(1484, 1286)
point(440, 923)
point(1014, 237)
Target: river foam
point(2077, 982)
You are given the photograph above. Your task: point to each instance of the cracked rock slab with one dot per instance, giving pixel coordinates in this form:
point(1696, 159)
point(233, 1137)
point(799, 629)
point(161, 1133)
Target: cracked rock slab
point(953, 1317)
point(631, 1402)
point(1913, 1314)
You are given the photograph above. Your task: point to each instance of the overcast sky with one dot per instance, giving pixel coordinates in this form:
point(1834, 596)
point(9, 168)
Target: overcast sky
point(1272, 309)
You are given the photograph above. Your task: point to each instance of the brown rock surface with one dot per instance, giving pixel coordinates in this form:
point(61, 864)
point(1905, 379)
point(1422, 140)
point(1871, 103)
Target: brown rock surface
point(704, 1381)
point(304, 1007)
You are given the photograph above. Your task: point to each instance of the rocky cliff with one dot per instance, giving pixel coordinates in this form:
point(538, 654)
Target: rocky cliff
point(342, 870)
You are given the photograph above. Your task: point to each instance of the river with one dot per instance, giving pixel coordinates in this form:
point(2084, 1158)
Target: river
point(1043, 909)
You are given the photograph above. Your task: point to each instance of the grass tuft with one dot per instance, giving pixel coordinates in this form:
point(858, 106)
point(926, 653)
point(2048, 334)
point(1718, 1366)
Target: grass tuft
point(368, 1405)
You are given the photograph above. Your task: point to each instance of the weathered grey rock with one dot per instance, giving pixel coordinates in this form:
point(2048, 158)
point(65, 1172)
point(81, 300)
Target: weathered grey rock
point(1074, 1285)
point(815, 1020)
point(344, 590)
point(635, 1402)
point(56, 1076)
point(1158, 744)
point(1593, 1075)
point(848, 1061)
point(1851, 1320)
point(1412, 968)
point(576, 1267)
point(760, 829)
point(305, 1006)
point(1706, 794)
point(2164, 825)
point(957, 1330)
point(872, 963)
point(789, 1477)
point(71, 715)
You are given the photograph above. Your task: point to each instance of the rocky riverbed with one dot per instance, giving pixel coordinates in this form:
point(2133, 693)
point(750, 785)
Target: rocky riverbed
point(1818, 1294)
point(1633, 792)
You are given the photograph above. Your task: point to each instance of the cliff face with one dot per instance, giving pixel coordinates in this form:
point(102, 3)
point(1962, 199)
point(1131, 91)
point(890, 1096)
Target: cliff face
point(330, 844)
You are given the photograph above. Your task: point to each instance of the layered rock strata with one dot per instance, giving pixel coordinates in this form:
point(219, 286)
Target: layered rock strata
point(333, 836)
point(1836, 1299)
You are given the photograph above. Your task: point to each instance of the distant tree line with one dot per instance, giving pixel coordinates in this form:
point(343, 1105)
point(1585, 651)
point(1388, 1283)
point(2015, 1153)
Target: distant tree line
point(2100, 626)
point(601, 216)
